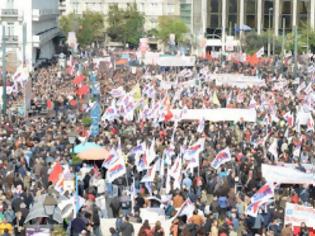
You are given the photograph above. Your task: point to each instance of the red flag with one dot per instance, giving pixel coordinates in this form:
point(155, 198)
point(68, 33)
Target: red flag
point(78, 80)
point(49, 104)
point(168, 116)
point(83, 90)
point(54, 175)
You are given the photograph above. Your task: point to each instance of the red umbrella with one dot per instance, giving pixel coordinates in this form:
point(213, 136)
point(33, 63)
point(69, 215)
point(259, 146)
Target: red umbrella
point(83, 90)
point(78, 79)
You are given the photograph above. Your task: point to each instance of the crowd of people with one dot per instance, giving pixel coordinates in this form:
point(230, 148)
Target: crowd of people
point(31, 145)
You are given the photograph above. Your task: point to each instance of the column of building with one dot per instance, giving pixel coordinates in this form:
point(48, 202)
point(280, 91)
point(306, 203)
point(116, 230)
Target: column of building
point(294, 13)
point(276, 17)
point(312, 14)
point(259, 16)
point(242, 13)
point(223, 24)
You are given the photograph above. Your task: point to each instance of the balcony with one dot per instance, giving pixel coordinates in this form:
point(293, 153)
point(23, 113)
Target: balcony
point(10, 14)
point(44, 14)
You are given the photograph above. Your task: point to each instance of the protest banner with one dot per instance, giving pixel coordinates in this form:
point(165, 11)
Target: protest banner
point(296, 214)
point(176, 61)
point(216, 115)
point(238, 80)
point(286, 175)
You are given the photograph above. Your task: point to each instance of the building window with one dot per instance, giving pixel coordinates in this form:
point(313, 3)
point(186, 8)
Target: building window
point(233, 7)
point(10, 29)
point(303, 13)
point(251, 13)
point(215, 15)
point(268, 4)
point(286, 13)
point(185, 13)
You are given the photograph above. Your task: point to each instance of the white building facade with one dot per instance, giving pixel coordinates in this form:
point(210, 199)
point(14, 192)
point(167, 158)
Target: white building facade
point(30, 27)
point(152, 9)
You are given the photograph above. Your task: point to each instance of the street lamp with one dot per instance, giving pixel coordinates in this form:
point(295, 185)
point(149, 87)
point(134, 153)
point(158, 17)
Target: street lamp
point(269, 29)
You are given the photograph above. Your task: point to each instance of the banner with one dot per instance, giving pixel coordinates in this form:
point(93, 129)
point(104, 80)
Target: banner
point(176, 61)
point(285, 175)
point(238, 80)
point(216, 115)
point(296, 214)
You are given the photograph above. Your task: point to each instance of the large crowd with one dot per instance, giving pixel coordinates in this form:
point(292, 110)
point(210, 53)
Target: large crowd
point(32, 144)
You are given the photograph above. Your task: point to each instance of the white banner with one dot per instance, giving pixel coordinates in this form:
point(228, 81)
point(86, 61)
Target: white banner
point(238, 80)
point(175, 61)
point(216, 115)
point(296, 214)
point(286, 175)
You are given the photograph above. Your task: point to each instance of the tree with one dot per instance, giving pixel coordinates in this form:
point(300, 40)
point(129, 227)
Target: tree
point(126, 26)
point(305, 38)
point(171, 25)
point(252, 42)
point(69, 23)
point(89, 27)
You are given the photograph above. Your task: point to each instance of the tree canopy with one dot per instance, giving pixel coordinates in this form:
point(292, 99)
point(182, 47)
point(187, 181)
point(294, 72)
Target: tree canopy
point(125, 25)
point(89, 27)
point(171, 25)
point(305, 38)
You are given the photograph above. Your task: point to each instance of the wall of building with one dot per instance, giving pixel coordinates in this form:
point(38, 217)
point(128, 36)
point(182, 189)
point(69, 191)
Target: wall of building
point(40, 19)
point(151, 8)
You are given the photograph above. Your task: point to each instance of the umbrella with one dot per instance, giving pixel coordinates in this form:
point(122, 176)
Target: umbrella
point(85, 146)
point(78, 79)
point(94, 154)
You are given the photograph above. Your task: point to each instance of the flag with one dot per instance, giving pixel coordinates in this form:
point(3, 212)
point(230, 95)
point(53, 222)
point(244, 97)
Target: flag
point(110, 113)
point(118, 92)
point(176, 172)
point(310, 123)
point(117, 170)
point(168, 153)
point(253, 208)
point(151, 154)
point(194, 150)
point(55, 173)
point(264, 193)
point(111, 159)
point(260, 52)
point(289, 118)
point(137, 93)
point(221, 158)
point(187, 208)
point(273, 149)
point(215, 99)
point(142, 163)
point(201, 125)
point(252, 103)
point(150, 175)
